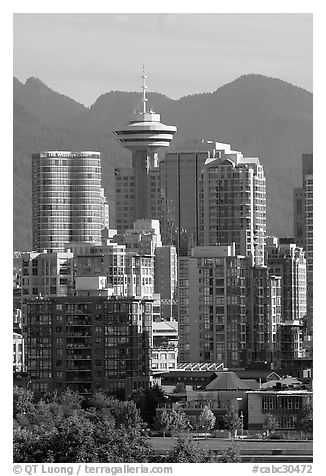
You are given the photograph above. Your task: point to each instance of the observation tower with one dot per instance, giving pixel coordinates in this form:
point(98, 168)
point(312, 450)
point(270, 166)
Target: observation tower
point(144, 135)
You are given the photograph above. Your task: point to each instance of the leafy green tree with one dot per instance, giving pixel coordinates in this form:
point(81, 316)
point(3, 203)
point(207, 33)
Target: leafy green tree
point(164, 420)
point(230, 455)
point(60, 430)
point(187, 451)
point(179, 422)
point(270, 423)
point(22, 400)
point(232, 421)
point(304, 421)
point(207, 419)
point(147, 400)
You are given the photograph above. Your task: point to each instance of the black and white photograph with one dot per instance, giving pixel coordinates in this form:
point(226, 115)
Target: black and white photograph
point(162, 169)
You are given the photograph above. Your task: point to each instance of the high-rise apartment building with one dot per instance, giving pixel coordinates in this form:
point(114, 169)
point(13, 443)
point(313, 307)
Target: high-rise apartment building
point(212, 306)
point(46, 274)
point(303, 226)
point(287, 260)
point(88, 343)
point(137, 187)
point(233, 204)
point(180, 174)
point(68, 204)
point(166, 280)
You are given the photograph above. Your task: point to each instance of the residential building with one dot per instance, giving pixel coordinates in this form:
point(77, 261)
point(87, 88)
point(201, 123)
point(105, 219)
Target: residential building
point(233, 204)
point(166, 280)
point(165, 346)
point(143, 238)
point(212, 306)
point(140, 275)
point(303, 226)
point(89, 343)
point(180, 174)
point(291, 339)
point(46, 274)
point(137, 188)
point(287, 260)
point(108, 259)
point(67, 199)
point(18, 353)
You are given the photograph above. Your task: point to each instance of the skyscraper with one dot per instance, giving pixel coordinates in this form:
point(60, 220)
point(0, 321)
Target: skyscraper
point(180, 173)
point(143, 136)
point(303, 225)
point(67, 199)
point(233, 204)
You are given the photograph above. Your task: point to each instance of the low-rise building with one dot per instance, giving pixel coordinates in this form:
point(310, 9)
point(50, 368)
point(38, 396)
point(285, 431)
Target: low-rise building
point(284, 405)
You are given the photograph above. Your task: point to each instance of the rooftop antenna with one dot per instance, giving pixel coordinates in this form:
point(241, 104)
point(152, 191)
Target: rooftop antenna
point(144, 87)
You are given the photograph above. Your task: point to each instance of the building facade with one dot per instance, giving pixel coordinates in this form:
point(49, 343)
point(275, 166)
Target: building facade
point(303, 226)
point(88, 343)
point(67, 199)
point(180, 173)
point(166, 280)
point(233, 204)
point(46, 274)
point(212, 306)
point(287, 260)
point(284, 405)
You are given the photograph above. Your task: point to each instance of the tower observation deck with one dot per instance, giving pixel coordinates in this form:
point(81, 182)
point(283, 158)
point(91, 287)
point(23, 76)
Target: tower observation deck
point(144, 135)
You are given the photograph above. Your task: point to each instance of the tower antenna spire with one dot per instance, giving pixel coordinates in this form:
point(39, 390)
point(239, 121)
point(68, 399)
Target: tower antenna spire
point(144, 87)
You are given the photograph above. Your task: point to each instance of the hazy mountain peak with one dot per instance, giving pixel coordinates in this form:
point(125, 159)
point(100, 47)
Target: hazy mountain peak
point(260, 116)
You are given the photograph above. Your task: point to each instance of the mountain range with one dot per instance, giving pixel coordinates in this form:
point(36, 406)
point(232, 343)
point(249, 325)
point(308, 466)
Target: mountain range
point(259, 116)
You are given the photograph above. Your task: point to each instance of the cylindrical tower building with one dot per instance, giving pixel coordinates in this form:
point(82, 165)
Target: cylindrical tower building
point(144, 135)
point(67, 199)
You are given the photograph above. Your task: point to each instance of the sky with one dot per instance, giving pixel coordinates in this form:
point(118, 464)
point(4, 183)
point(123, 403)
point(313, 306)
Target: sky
point(84, 55)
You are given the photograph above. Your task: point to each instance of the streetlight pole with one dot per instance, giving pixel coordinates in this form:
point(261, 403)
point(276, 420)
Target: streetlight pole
point(241, 416)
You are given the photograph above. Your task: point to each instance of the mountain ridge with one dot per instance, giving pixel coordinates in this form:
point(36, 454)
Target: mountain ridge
point(259, 116)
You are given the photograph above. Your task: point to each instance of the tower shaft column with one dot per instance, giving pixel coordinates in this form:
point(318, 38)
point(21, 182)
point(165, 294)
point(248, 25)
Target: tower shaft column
point(140, 163)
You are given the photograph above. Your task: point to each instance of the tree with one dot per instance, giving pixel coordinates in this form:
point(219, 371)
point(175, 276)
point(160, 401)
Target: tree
point(59, 430)
point(22, 400)
point(270, 423)
point(207, 419)
point(230, 455)
point(187, 451)
point(164, 420)
point(147, 400)
point(232, 421)
point(179, 422)
point(304, 421)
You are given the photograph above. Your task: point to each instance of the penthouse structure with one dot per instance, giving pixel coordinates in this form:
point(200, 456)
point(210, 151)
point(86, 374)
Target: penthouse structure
point(137, 187)
point(68, 202)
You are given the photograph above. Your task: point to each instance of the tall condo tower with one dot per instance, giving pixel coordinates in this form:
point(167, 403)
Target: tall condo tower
point(143, 135)
point(67, 199)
